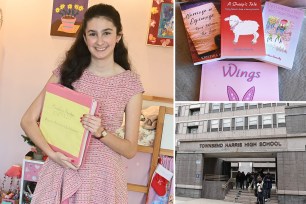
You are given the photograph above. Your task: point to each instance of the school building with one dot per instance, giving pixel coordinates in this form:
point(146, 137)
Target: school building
point(216, 140)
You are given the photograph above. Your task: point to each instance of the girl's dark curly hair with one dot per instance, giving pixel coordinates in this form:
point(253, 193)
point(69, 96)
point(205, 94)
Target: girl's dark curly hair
point(78, 57)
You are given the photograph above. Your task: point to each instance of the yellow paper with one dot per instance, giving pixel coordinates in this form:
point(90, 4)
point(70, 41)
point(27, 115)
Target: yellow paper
point(60, 123)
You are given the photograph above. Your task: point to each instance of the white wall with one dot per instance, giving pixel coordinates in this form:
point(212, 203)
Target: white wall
point(30, 54)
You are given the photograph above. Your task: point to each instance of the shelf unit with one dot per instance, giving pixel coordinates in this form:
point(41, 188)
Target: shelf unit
point(30, 173)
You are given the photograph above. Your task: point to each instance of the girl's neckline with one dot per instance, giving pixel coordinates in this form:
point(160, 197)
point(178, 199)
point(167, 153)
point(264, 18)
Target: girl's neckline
point(106, 77)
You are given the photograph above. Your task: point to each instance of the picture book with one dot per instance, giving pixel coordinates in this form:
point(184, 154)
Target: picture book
point(242, 29)
point(202, 25)
point(60, 121)
point(282, 27)
point(239, 81)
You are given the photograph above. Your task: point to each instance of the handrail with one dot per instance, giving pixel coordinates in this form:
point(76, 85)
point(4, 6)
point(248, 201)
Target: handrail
point(250, 186)
point(226, 185)
point(215, 177)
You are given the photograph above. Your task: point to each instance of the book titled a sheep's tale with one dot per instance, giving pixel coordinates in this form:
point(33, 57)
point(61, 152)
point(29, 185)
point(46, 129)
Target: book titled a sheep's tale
point(242, 29)
point(282, 27)
point(202, 25)
point(60, 121)
point(239, 81)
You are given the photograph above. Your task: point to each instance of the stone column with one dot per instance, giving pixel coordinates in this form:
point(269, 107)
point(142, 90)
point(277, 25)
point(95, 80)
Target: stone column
point(291, 176)
point(189, 174)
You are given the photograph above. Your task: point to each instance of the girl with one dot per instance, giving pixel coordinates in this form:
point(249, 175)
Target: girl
point(97, 65)
point(260, 195)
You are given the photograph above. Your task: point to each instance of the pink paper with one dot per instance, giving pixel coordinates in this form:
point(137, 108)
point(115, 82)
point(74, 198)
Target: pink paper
point(239, 81)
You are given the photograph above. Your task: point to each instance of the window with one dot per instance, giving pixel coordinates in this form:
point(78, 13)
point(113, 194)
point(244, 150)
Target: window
point(227, 106)
point(281, 121)
point(239, 123)
point(176, 111)
point(253, 122)
point(177, 143)
point(215, 107)
point(239, 106)
point(267, 121)
point(266, 105)
point(194, 111)
point(214, 125)
point(177, 128)
point(226, 124)
point(192, 129)
point(252, 105)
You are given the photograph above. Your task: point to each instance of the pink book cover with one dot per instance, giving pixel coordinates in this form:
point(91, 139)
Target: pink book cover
point(282, 26)
point(239, 81)
point(60, 121)
point(242, 29)
point(202, 25)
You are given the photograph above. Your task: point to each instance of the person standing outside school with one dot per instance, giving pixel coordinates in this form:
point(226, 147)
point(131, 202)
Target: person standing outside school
point(268, 186)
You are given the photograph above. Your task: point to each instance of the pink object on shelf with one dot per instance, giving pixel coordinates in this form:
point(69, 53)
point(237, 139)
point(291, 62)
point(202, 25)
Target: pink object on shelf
point(14, 171)
point(31, 171)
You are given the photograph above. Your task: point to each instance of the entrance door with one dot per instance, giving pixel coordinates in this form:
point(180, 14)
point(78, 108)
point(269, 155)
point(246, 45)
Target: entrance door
point(245, 167)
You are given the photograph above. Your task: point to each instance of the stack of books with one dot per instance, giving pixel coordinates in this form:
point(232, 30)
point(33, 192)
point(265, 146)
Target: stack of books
point(237, 30)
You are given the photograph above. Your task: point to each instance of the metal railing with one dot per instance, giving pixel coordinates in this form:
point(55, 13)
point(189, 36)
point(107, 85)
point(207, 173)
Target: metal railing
point(215, 177)
point(229, 184)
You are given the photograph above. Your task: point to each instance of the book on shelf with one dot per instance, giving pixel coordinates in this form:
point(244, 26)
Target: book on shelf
point(282, 26)
point(242, 29)
point(239, 81)
point(60, 121)
point(202, 24)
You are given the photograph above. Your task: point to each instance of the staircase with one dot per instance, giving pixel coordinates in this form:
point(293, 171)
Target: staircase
point(247, 197)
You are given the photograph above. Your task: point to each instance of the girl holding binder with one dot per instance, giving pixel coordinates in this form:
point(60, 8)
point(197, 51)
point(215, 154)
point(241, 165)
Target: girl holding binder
point(97, 65)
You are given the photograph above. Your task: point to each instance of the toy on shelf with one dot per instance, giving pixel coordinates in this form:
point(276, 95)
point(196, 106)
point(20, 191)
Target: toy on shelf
point(12, 194)
point(36, 152)
point(28, 193)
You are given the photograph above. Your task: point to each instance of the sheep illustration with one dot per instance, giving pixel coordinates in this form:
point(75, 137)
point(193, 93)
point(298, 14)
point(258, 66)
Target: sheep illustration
point(240, 27)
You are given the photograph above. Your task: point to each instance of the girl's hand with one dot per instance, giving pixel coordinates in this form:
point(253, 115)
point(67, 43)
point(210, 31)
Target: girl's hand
point(62, 160)
point(91, 123)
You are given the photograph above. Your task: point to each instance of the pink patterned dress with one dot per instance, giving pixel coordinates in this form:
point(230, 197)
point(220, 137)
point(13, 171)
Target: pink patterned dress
point(101, 179)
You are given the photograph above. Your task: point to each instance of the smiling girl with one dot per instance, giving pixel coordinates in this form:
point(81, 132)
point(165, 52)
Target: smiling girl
point(97, 65)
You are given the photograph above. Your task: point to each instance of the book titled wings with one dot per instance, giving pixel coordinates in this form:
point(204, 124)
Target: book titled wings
point(202, 25)
point(282, 27)
point(239, 81)
point(242, 29)
point(60, 121)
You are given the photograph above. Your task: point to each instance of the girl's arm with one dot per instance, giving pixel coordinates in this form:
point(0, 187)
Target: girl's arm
point(127, 147)
point(30, 127)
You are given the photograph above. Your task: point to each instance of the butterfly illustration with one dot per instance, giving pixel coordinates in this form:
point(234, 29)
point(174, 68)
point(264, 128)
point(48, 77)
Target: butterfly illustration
point(233, 96)
point(152, 38)
point(165, 42)
point(159, 1)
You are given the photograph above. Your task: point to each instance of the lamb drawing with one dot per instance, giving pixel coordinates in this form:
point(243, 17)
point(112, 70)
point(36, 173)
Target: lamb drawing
point(240, 27)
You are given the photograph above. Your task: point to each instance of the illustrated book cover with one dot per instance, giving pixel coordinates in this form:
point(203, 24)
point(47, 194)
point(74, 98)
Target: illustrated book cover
point(60, 121)
point(282, 26)
point(202, 25)
point(242, 29)
point(239, 81)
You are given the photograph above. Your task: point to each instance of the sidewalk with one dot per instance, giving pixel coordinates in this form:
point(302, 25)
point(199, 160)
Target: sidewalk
point(184, 200)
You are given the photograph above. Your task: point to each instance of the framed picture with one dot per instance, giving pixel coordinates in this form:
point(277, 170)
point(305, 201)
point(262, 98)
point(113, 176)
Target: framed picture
point(161, 26)
point(8, 201)
point(67, 16)
point(1, 18)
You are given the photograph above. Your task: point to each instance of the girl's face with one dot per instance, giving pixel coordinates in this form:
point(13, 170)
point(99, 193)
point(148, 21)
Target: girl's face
point(101, 37)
